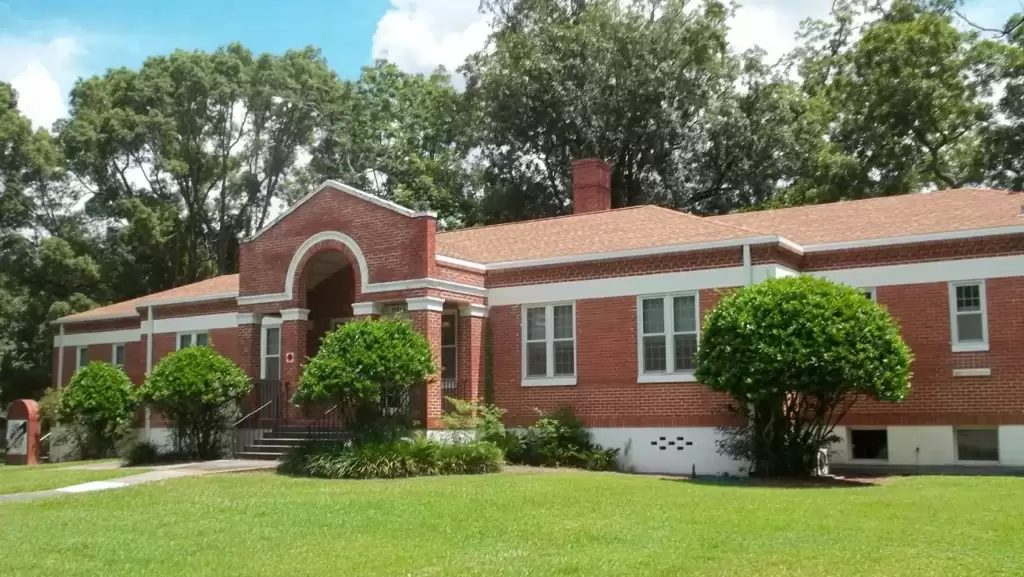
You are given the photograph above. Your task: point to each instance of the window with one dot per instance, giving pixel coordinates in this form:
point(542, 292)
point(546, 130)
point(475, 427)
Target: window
point(83, 356)
point(968, 318)
point(199, 339)
point(118, 356)
point(869, 293)
point(869, 444)
point(549, 344)
point(449, 357)
point(668, 337)
point(977, 444)
point(270, 350)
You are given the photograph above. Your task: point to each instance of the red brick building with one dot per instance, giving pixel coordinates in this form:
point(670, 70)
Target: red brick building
point(600, 311)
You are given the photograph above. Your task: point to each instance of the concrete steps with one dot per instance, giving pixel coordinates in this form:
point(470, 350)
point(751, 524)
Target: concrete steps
point(282, 440)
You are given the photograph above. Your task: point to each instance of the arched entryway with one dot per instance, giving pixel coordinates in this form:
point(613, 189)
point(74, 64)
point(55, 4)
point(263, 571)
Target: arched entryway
point(329, 287)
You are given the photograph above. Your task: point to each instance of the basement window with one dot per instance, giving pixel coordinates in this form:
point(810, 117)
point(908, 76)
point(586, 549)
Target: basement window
point(869, 444)
point(977, 445)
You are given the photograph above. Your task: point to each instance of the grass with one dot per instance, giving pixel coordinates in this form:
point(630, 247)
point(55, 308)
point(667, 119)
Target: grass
point(586, 524)
point(22, 479)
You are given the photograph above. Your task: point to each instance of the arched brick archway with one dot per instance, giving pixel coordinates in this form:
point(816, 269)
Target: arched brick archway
point(318, 261)
point(296, 280)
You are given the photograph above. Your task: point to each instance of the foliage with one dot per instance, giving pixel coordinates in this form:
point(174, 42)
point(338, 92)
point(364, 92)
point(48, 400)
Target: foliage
point(413, 457)
point(140, 453)
point(367, 367)
point(100, 400)
point(558, 439)
point(198, 391)
point(795, 354)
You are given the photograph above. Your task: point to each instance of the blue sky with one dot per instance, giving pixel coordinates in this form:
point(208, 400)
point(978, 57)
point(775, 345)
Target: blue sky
point(45, 45)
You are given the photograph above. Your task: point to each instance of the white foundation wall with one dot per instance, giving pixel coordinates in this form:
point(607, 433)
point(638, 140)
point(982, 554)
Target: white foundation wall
point(674, 451)
point(161, 436)
point(930, 446)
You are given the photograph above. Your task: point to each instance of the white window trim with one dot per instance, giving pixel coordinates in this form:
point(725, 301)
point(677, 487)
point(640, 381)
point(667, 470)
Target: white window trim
point(177, 338)
point(956, 447)
point(873, 291)
point(968, 347)
point(113, 354)
point(78, 356)
point(263, 349)
point(670, 375)
point(549, 340)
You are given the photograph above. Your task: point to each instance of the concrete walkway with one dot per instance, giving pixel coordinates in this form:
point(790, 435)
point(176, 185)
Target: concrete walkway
point(158, 473)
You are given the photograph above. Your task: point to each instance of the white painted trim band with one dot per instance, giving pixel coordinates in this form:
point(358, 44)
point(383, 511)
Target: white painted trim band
point(294, 315)
point(972, 372)
point(97, 338)
point(363, 309)
point(459, 263)
point(916, 238)
point(473, 310)
point(435, 304)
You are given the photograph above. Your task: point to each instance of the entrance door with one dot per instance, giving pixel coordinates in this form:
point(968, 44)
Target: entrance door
point(449, 357)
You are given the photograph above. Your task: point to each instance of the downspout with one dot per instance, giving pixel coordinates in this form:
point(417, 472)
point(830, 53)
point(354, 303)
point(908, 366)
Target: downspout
point(149, 363)
point(748, 268)
point(60, 357)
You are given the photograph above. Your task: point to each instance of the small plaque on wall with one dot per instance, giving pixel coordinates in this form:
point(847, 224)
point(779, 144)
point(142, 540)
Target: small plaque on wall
point(289, 358)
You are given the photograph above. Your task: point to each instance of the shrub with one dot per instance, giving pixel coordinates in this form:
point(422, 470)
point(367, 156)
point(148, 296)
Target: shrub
point(413, 457)
point(795, 354)
point(367, 367)
point(560, 440)
point(100, 402)
point(140, 453)
point(198, 391)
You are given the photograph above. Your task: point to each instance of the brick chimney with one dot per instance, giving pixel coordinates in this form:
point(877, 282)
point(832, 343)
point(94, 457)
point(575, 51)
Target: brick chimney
point(591, 185)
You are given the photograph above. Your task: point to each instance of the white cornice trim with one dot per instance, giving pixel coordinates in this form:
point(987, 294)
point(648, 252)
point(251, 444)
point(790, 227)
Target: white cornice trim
point(459, 263)
point(473, 310)
point(363, 309)
point(334, 184)
point(193, 323)
point(916, 238)
point(97, 338)
point(294, 315)
point(400, 285)
point(106, 317)
point(187, 300)
point(425, 304)
point(631, 253)
point(249, 318)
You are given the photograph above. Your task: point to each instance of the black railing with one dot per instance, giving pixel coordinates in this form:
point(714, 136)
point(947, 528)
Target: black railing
point(267, 405)
point(326, 426)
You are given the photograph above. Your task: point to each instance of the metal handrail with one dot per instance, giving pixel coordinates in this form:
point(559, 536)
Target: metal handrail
point(253, 413)
point(46, 436)
point(328, 411)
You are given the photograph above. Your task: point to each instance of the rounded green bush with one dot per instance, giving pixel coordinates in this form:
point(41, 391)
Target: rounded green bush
point(100, 401)
point(359, 362)
point(198, 390)
point(802, 335)
point(795, 354)
point(418, 456)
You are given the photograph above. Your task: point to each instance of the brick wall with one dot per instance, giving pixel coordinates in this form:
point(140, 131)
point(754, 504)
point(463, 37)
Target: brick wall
point(396, 247)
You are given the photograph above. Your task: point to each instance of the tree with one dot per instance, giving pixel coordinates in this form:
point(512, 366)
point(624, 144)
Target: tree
point(401, 136)
point(648, 86)
point(795, 354)
point(197, 390)
point(367, 367)
point(99, 401)
point(905, 98)
point(1004, 139)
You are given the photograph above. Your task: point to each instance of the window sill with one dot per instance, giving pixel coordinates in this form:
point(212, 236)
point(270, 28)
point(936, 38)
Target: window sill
point(687, 377)
point(971, 348)
point(549, 382)
point(972, 372)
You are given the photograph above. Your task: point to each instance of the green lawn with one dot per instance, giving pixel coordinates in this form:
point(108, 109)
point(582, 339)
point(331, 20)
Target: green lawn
point(583, 524)
point(22, 479)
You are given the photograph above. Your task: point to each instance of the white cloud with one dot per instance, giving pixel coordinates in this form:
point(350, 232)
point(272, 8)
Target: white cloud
point(420, 35)
point(42, 71)
point(772, 24)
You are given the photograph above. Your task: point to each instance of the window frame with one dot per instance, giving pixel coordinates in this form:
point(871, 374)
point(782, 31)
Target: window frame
point(870, 290)
point(263, 350)
point(113, 354)
point(670, 375)
point(192, 340)
point(956, 446)
point(957, 346)
point(78, 356)
point(549, 380)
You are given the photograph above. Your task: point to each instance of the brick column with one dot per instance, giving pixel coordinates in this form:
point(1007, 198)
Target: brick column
point(472, 320)
point(294, 337)
point(249, 338)
point(425, 313)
